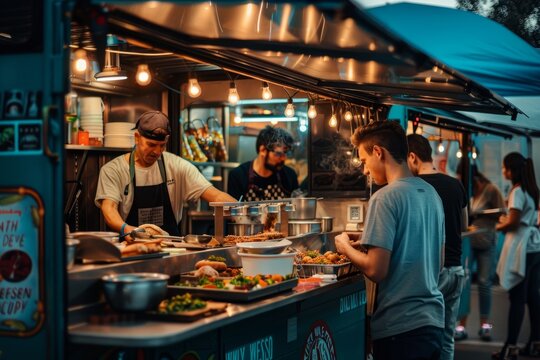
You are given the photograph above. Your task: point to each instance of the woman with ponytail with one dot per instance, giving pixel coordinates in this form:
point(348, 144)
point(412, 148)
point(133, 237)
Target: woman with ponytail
point(519, 264)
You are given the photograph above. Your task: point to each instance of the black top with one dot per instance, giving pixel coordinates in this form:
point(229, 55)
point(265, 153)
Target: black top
point(454, 199)
point(238, 183)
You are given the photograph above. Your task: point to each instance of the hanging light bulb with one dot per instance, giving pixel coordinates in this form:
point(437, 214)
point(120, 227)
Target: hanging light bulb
point(237, 119)
point(289, 110)
point(333, 121)
point(266, 93)
point(440, 148)
point(81, 61)
point(143, 76)
point(474, 155)
point(459, 154)
point(312, 112)
point(348, 115)
point(194, 89)
point(274, 122)
point(233, 94)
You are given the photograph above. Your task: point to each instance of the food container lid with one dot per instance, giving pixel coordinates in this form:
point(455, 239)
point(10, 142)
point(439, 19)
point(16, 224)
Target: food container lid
point(267, 256)
point(264, 247)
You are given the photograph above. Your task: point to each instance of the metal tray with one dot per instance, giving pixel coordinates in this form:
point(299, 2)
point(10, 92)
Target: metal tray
point(233, 295)
point(340, 270)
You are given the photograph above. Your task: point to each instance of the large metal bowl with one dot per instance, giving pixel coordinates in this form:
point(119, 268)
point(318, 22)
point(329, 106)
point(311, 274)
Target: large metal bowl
point(135, 291)
point(264, 247)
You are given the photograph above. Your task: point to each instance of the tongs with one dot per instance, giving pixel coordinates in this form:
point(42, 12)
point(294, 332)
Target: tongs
point(141, 235)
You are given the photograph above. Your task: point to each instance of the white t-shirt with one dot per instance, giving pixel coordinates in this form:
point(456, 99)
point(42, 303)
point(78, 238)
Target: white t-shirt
point(184, 182)
point(522, 201)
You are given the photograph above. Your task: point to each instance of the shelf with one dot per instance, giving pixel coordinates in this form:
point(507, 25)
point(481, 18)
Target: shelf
point(96, 148)
point(225, 165)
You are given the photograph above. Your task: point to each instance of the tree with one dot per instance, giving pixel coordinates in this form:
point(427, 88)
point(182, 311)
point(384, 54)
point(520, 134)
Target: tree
point(520, 16)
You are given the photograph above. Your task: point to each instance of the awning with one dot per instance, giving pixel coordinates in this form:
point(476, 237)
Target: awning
point(481, 49)
point(334, 49)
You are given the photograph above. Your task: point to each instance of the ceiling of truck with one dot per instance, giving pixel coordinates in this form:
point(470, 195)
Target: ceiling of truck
point(333, 49)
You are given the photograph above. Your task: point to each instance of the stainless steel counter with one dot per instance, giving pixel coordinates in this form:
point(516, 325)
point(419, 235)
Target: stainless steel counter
point(153, 334)
point(85, 298)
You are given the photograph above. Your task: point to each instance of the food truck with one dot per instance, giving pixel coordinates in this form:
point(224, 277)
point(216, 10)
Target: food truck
point(332, 54)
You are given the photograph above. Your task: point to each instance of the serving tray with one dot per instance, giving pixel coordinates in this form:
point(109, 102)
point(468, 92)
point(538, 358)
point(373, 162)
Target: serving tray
point(232, 295)
point(212, 308)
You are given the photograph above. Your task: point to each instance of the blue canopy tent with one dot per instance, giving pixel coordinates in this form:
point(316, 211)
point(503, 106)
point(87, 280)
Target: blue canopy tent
point(480, 48)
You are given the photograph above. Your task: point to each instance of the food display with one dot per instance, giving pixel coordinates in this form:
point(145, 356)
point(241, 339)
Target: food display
point(315, 257)
point(180, 303)
point(270, 235)
point(238, 288)
point(312, 262)
point(186, 308)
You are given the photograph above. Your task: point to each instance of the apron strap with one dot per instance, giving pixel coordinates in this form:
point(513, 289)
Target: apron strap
point(132, 170)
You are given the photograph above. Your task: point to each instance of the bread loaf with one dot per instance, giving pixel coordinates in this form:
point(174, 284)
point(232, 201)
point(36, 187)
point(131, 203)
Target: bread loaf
point(153, 229)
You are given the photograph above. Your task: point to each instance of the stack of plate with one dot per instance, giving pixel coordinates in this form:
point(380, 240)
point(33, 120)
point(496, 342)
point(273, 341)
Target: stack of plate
point(119, 134)
point(91, 112)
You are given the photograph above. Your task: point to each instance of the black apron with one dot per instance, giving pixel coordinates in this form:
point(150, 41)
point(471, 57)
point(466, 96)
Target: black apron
point(151, 203)
point(272, 192)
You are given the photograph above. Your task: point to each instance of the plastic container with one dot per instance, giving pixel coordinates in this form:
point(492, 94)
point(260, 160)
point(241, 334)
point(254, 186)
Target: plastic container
point(264, 247)
point(254, 264)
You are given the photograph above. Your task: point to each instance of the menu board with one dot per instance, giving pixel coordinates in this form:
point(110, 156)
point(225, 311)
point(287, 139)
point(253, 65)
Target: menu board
point(21, 284)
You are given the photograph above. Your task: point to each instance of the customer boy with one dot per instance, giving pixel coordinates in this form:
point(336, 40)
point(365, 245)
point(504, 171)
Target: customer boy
point(404, 237)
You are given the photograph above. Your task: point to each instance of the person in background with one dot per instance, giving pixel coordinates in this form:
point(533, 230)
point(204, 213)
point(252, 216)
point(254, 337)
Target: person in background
point(266, 177)
point(519, 263)
point(150, 185)
point(485, 196)
point(454, 199)
point(404, 237)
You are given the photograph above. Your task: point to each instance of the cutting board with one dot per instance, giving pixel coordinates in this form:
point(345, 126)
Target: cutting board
point(212, 308)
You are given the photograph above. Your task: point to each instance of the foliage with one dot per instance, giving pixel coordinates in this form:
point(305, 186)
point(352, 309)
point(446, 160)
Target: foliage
point(520, 16)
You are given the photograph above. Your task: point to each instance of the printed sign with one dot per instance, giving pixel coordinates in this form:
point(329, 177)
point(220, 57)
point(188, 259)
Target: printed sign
point(319, 343)
point(21, 137)
point(21, 236)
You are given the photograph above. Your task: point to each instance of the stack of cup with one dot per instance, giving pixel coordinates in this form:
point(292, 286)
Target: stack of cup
point(91, 116)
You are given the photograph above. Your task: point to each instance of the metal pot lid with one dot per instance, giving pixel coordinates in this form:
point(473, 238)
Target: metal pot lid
point(314, 221)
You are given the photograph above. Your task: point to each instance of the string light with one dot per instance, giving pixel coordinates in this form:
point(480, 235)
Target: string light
point(459, 154)
point(333, 121)
point(440, 148)
point(312, 112)
point(194, 89)
point(143, 76)
point(237, 119)
point(348, 115)
point(474, 154)
point(266, 93)
point(289, 109)
point(233, 94)
point(81, 61)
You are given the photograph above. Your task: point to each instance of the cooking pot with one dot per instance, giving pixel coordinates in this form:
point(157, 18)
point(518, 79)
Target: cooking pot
point(243, 229)
point(305, 208)
point(299, 227)
point(135, 291)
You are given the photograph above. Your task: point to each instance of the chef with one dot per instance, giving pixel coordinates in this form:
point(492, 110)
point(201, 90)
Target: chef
point(266, 177)
point(149, 185)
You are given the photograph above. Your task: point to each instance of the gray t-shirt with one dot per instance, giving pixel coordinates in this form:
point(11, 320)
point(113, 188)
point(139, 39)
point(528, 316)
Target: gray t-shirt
point(184, 182)
point(406, 217)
